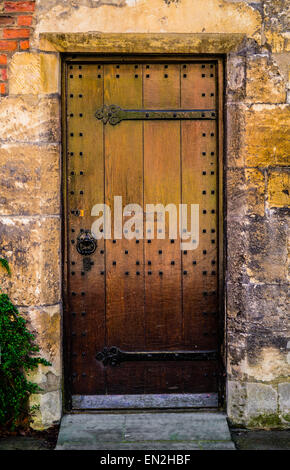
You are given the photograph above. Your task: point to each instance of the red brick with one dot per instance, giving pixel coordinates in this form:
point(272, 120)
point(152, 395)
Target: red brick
point(3, 74)
point(16, 33)
point(24, 20)
point(3, 59)
point(19, 6)
point(8, 45)
point(24, 45)
point(5, 20)
point(2, 88)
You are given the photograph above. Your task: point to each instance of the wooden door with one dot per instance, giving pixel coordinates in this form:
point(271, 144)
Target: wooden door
point(141, 295)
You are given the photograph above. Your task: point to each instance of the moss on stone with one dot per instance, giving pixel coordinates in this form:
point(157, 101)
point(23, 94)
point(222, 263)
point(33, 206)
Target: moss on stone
point(265, 421)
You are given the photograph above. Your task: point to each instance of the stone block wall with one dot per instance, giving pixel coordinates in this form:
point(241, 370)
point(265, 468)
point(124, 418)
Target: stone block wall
point(30, 224)
point(256, 174)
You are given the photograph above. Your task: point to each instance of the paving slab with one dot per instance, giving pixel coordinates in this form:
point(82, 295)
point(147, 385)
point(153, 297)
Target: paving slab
point(261, 439)
point(23, 443)
point(148, 431)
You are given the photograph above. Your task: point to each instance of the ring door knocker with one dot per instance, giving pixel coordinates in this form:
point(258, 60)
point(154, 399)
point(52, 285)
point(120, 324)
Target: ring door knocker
point(86, 243)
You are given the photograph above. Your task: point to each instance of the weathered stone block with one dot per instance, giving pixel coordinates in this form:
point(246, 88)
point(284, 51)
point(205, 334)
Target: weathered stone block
point(236, 78)
point(30, 119)
point(150, 16)
point(267, 305)
point(284, 400)
point(34, 74)
point(236, 301)
point(255, 191)
point(266, 140)
point(282, 60)
point(236, 401)
point(266, 358)
point(235, 118)
point(264, 82)
point(262, 403)
point(276, 15)
point(245, 192)
point(45, 323)
point(277, 41)
point(278, 188)
point(236, 252)
point(236, 196)
point(30, 179)
point(32, 248)
point(267, 251)
point(49, 412)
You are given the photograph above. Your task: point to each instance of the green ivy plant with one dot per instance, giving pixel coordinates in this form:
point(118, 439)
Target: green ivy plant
point(17, 358)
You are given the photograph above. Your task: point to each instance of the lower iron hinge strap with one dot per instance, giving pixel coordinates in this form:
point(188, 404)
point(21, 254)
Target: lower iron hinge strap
point(114, 356)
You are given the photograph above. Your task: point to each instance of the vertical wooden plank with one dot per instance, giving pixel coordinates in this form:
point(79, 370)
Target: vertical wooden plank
point(124, 258)
point(198, 85)
point(164, 325)
point(199, 186)
point(162, 186)
point(199, 177)
point(85, 188)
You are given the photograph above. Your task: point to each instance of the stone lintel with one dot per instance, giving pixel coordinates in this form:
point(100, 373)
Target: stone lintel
point(139, 43)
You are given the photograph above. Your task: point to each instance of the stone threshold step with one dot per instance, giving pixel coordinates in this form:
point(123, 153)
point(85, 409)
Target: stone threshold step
point(150, 431)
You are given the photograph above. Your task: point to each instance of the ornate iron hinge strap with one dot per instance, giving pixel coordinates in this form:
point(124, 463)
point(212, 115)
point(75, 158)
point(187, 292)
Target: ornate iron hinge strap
point(114, 114)
point(113, 356)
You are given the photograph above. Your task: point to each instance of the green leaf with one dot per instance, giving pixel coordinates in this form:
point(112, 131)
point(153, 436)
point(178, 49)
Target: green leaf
point(4, 263)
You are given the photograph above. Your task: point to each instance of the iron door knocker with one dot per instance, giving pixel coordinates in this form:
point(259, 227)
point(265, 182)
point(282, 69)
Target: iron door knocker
point(86, 243)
